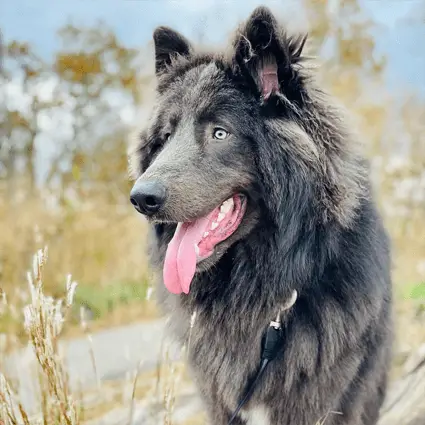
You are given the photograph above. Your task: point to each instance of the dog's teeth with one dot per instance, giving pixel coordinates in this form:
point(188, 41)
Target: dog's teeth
point(214, 225)
point(196, 249)
point(226, 206)
point(221, 216)
point(206, 234)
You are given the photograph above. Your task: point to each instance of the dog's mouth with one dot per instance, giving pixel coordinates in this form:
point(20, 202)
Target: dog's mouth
point(197, 240)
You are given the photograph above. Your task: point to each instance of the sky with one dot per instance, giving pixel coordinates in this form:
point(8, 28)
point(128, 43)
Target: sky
point(134, 20)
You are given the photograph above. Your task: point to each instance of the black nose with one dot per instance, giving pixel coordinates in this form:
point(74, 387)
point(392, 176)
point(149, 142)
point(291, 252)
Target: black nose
point(148, 197)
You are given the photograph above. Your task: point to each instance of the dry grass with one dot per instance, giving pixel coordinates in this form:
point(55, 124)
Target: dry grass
point(105, 246)
point(44, 320)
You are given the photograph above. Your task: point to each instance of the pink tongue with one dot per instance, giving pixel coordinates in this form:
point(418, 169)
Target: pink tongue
point(180, 259)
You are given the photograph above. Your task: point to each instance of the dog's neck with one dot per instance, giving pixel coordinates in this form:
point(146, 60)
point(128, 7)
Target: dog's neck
point(255, 258)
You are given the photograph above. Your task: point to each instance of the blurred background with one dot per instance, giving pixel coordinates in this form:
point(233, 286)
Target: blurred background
point(75, 77)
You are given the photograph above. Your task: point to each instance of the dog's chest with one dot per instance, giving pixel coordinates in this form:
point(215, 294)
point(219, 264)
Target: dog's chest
point(224, 354)
point(256, 416)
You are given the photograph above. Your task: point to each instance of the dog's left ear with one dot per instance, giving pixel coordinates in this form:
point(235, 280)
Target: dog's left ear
point(264, 53)
point(168, 44)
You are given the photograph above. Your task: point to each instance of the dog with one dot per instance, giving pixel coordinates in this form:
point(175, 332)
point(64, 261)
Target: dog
point(255, 190)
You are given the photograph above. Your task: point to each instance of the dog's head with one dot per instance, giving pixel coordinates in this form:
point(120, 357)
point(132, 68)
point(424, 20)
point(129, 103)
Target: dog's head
point(223, 149)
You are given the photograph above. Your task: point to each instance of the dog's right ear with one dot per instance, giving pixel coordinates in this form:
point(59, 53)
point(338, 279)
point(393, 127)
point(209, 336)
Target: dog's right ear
point(168, 44)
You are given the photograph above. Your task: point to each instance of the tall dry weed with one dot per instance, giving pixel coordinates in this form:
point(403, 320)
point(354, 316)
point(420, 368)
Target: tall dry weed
point(44, 318)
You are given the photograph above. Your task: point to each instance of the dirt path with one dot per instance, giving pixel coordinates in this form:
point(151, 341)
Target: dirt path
point(116, 351)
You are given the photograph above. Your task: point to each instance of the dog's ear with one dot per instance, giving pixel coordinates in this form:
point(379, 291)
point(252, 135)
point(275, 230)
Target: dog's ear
point(168, 44)
point(264, 53)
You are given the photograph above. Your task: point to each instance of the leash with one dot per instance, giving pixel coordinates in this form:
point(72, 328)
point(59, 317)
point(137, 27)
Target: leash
point(273, 342)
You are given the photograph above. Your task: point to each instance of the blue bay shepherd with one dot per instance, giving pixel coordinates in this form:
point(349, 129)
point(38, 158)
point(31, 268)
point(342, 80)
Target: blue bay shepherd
point(255, 190)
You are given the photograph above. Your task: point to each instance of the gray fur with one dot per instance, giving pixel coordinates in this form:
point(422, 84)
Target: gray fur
point(311, 225)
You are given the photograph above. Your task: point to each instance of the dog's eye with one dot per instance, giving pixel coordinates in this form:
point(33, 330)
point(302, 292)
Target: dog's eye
point(220, 133)
point(167, 136)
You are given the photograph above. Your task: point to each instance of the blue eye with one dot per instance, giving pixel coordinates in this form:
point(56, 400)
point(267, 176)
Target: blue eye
point(220, 133)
